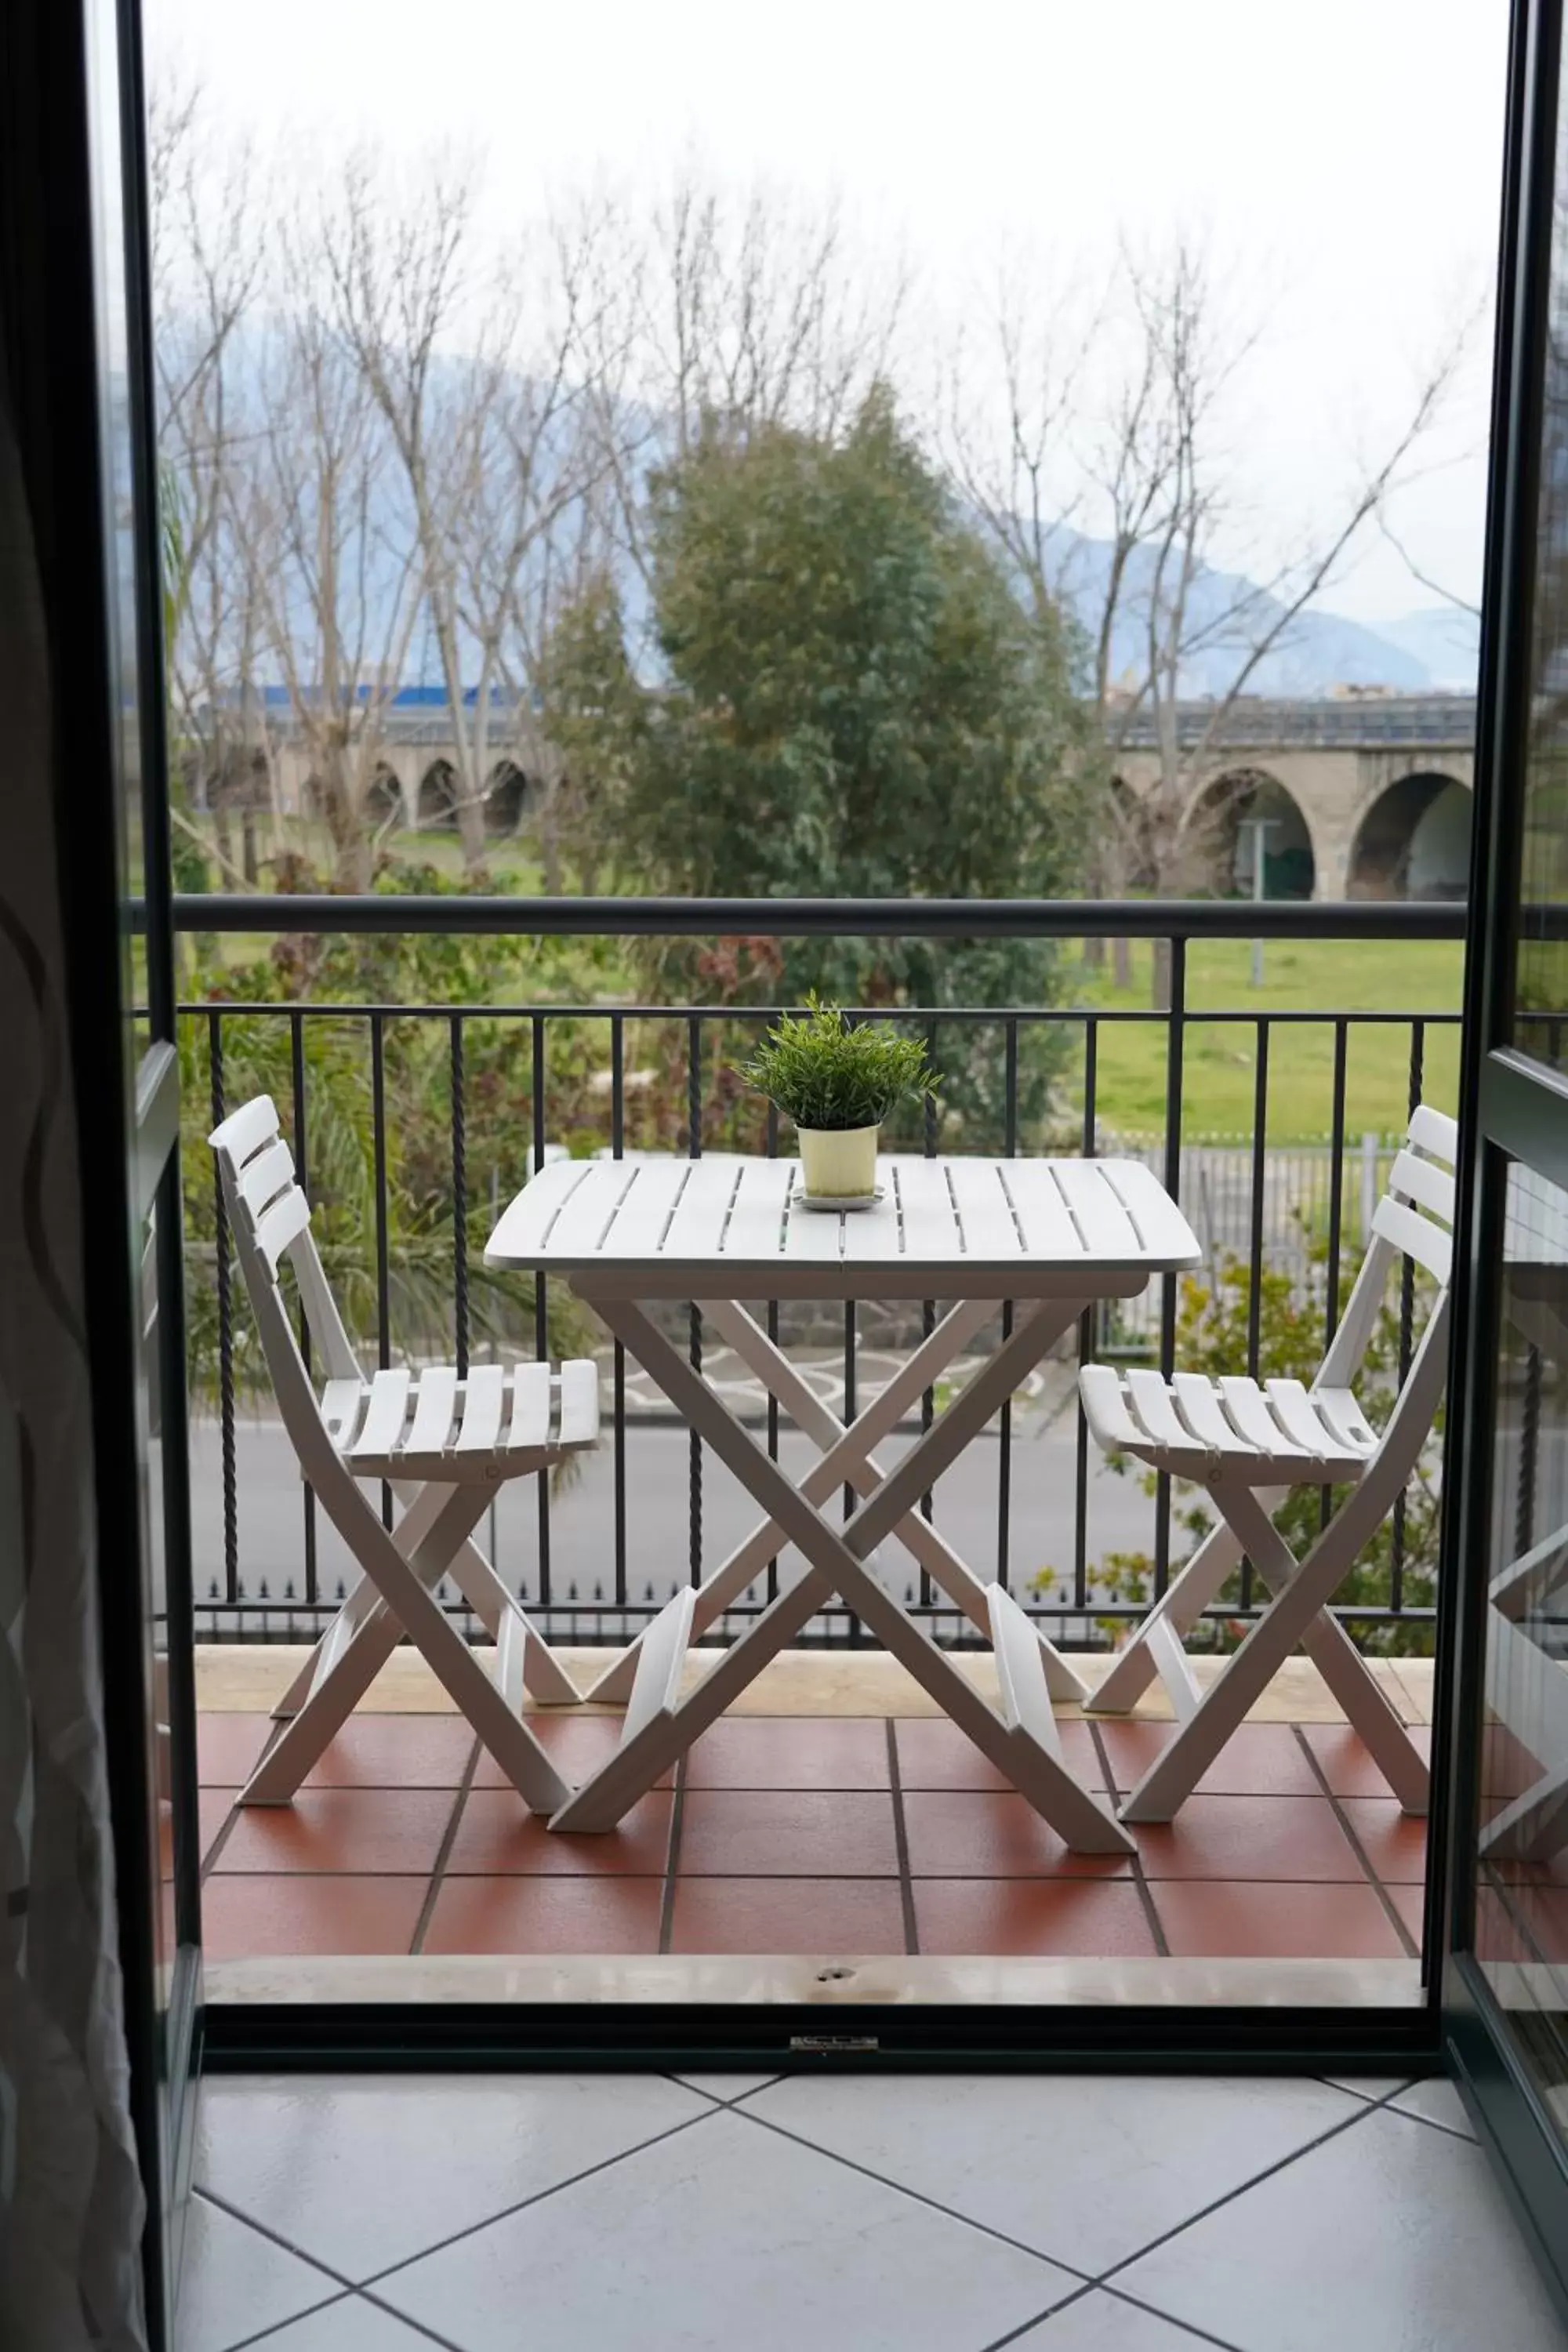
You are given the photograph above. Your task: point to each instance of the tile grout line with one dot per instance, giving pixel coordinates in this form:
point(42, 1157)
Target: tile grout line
point(272, 2335)
point(444, 1851)
point(917, 2195)
point(672, 1857)
point(1347, 1829)
point(1309, 2147)
point(901, 1847)
point(1055, 2311)
point(410, 2261)
point(1140, 1878)
point(367, 2287)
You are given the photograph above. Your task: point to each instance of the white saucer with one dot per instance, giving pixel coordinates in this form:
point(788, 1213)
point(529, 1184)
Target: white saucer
point(829, 1203)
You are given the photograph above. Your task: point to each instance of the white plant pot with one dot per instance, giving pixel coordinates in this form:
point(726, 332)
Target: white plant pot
point(838, 1163)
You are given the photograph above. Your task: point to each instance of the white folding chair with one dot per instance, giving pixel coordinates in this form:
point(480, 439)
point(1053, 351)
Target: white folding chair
point(443, 1443)
point(1249, 1442)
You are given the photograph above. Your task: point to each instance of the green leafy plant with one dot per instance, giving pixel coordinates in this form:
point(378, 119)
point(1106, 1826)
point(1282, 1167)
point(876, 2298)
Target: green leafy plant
point(829, 1073)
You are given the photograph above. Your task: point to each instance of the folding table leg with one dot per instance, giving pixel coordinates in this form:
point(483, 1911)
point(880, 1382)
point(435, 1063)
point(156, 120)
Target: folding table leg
point(844, 1448)
point(838, 1556)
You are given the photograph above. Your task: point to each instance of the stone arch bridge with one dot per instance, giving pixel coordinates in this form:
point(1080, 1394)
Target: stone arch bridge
point(1363, 795)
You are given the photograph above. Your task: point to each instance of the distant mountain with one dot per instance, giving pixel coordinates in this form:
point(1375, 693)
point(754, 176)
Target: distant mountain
point(1446, 641)
point(1228, 613)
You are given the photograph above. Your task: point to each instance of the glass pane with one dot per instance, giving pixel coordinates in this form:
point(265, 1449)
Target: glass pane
point(1540, 973)
point(1521, 1895)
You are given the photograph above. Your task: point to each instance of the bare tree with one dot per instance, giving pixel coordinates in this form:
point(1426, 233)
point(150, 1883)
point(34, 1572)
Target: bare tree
point(1142, 460)
point(330, 559)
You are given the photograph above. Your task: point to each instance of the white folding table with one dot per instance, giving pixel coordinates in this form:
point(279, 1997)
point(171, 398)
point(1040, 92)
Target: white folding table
point(1052, 1236)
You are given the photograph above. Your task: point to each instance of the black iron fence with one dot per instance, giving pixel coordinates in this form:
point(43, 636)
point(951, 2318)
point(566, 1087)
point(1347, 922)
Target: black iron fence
point(1082, 1546)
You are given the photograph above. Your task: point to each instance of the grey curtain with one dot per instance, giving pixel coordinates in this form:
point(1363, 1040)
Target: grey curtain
point(71, 2206)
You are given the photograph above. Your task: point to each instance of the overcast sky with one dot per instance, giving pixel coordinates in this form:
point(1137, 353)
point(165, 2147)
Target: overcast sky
point(1343, 160)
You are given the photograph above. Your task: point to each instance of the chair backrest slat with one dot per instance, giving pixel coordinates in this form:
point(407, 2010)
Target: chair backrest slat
point(270, 1172)
point(1422, 1181)
point(1403, 1224)
point(1416, 1235)
point(278, 1227)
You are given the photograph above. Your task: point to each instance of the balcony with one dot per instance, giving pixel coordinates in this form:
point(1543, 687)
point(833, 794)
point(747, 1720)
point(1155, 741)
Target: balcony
point(832, 1825)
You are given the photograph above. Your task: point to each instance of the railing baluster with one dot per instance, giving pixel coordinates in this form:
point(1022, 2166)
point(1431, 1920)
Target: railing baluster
point(459, 1197)
point(1085, 1342)
point(928, 1316)
point(1005, 1425)
point(1175, 1047)
point(383, 1257)
point(1336, 1217)
point(694, 1147)
point(772, 1305)
point(302, 1171)
point(1407, 1324)
point(1255, 1238)
point(541, 1287)
point(225, 1329)
point(618, 1150)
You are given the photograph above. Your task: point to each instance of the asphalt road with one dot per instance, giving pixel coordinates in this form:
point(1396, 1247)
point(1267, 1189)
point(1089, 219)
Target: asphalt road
point(658, 1472)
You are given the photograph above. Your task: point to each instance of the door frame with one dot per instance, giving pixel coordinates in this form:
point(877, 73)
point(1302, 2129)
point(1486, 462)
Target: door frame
point(1511, 1107)
point(51, 294)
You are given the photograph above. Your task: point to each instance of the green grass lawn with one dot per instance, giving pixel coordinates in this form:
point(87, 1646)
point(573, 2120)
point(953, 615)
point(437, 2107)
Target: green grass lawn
point(1417, 977)
point(1420, 977)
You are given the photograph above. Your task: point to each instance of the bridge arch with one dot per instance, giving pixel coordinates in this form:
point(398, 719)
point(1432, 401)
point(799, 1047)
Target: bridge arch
point(437, 805)
point(1219, 833)
point(1413, 841)
point(509, 795)
point(384, 798)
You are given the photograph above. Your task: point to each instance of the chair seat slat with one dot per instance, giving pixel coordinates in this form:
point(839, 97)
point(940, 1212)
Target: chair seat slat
point(1246, 1407)
point(384, 1415)
point(529, 1424)
point(579, 1389)
point(484, 1393)
point(432, 1407)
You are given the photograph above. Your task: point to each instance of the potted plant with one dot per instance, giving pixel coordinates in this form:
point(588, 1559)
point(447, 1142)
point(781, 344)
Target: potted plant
point(838, 1079)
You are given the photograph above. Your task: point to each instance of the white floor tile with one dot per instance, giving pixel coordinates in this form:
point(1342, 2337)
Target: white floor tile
point(726, 2086)
point(365, 2170)
point(1369, 2086)
point(1086, 2167)
point(350, 2325)
point(1387, 2238)
point(234, 2282)
point(722, 2236)
point(1099, 2322)
point(1439, 2102)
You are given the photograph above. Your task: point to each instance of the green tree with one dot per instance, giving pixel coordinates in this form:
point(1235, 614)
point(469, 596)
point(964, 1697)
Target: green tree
point(852, 702)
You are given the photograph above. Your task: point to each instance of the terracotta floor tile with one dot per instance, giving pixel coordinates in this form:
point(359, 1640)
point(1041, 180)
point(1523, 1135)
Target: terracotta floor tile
point(934, 1753)
point(229, 1747)
point(1410, 1902)
point(308, 1916)
point(358, 1829)
point(789, 1832)
point(836, 1918)
point(1347, 1762)
point(576, 1745)
point(1395, 1842)
point(758, 1751)
point(1258, 1759)
point(395, 1751)
point(212, 1811)
point(1019, 1917)
point(1251, 1838)
point(957, 1833)
point(497, 1832)
point(1221, 1920)
point(588, 1916)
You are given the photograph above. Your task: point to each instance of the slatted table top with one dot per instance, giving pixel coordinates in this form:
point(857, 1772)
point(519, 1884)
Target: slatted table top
point(735, 1226)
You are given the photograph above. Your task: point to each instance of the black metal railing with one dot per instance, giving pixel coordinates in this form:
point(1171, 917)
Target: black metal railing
point(268, 1580)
